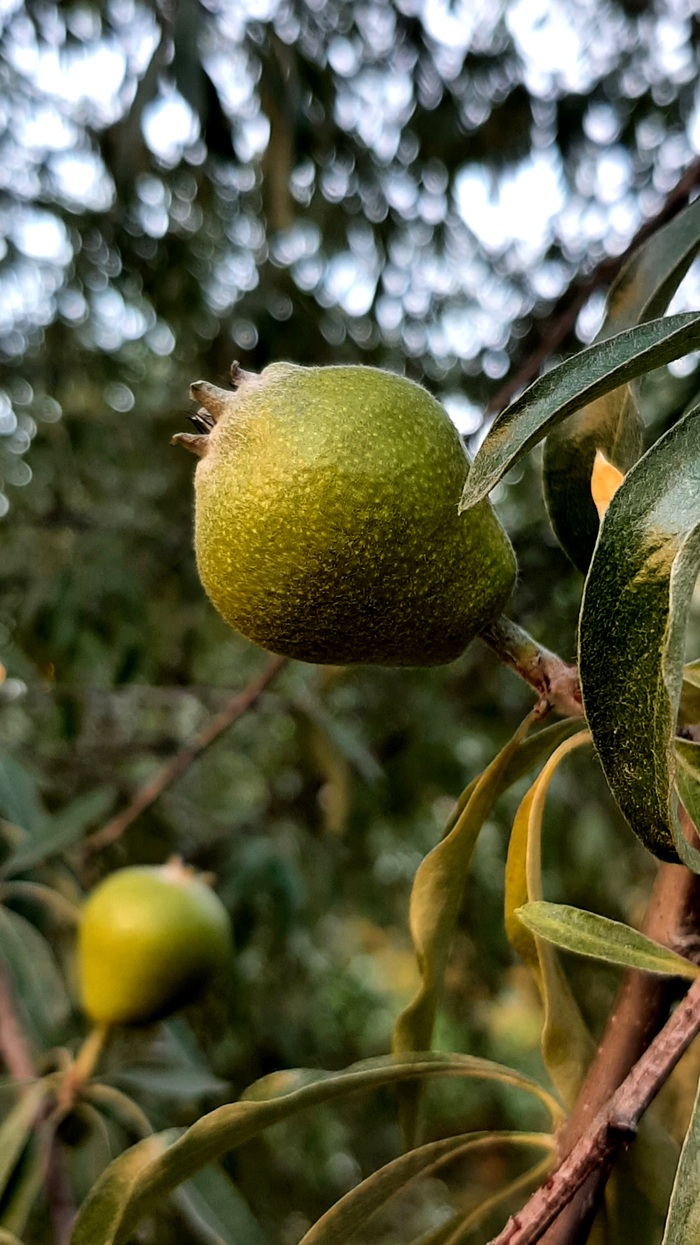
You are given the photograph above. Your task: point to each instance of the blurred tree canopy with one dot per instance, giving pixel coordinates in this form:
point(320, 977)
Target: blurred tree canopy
point(410, 184)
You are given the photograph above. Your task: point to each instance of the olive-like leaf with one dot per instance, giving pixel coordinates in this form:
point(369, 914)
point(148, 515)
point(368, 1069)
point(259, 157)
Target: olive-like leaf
point(55, 834)
point(632, 628)
point(460, 1228)
point(683, 1219)
point(612, 423)
point(16, 1128)
point(566, 1044)
point(350, 1214)
point(566, 388)
point(20, 802)
point(212, 1202)
point(38, 986)
point(587, 933)
point(436, 896)
point(135, 1182)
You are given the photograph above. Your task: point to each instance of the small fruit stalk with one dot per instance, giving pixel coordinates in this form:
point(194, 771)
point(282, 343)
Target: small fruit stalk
point(326, 518)
point(150, 939)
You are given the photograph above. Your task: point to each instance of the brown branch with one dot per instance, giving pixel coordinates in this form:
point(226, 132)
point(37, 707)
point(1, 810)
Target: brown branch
point(638, 1013)
point(555, 680)
point(14, 1046)
point(548, 336)
point(613, 1128)
point(150, 792)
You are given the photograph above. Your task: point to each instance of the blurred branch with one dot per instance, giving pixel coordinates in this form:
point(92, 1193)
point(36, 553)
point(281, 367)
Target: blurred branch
point(14, 1047)
point(549, 335)
point(613, 1128)
point(151, 791)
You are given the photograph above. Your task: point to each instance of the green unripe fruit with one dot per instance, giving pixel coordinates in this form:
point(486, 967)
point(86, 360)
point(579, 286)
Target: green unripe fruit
point(326, 518)
point(150, 938)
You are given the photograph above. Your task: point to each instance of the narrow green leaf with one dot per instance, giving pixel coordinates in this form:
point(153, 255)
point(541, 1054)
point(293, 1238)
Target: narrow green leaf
point(218, 1204)
point(632, 631)
point(38, 985)
point(175, 1081)
point(567, 1046)
point(9, 1238)
point(136, 1181)
point(612, 423)
point(102, 1212)
point(16, 1128)
point(461, 1228)
point(350, 1214)
point(27, 1182)
point(683, 1221)
point(436, 896)
point(61, 831)
point(569, 386)
point(20, 802)
point(119, 1107)
point(586, 933)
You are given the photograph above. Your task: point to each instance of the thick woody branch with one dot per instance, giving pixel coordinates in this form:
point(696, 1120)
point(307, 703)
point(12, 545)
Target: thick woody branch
point(612, 1129)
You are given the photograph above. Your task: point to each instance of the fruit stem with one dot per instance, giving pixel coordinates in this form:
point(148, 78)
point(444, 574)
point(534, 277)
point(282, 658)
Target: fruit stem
point(84, 1064)
point(555, 680)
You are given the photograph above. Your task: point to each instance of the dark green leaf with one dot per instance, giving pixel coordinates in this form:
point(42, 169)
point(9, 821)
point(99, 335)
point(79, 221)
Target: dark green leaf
point(61, 831)
point(566, 388)
point(38, 985)
point(180, 1082)
point(586, 933)
point(632, 630)
point(20, 802)
point(215, 1200)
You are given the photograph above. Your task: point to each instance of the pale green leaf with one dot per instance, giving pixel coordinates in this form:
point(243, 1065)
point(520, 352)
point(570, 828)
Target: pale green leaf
point(350, 1214)
point(688, 776)
point(20, 802)
point(102, 1213)
point(632, 632)
point(27, 1182)
point(569, 386)
point(567, 1046)
point(61, 831)
point(187, 1084)
point(136, 1181)
point(436, 897)
point(586, 933)
point(683, 1221)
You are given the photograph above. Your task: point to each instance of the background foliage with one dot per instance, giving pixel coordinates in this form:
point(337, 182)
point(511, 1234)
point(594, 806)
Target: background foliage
point(412, 185)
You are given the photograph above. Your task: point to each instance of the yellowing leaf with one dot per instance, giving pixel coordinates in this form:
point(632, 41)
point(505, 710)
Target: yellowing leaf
point(605, 481)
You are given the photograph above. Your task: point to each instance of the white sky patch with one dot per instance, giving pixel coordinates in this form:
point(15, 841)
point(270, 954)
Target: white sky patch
point(81, 180)
point(169, 126)
point(41, 236)
point(516, 207)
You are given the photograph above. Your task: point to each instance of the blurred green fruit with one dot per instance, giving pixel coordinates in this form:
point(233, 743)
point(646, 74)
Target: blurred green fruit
point(326, 521)
point(150, 938)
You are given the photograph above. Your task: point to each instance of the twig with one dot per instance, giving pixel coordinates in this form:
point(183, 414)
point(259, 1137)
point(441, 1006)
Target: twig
point(555, 329)
point(150, 792)
point(638, 1013)
point(555, 681)
point(614, 1126)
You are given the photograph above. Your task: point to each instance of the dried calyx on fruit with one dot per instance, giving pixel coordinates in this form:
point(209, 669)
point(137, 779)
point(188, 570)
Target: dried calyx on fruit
point(150, 939)
point(326, 518)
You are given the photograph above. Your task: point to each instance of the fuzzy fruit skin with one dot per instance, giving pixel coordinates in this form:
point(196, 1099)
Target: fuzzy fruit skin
point(150, 938)
point(326, 520)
